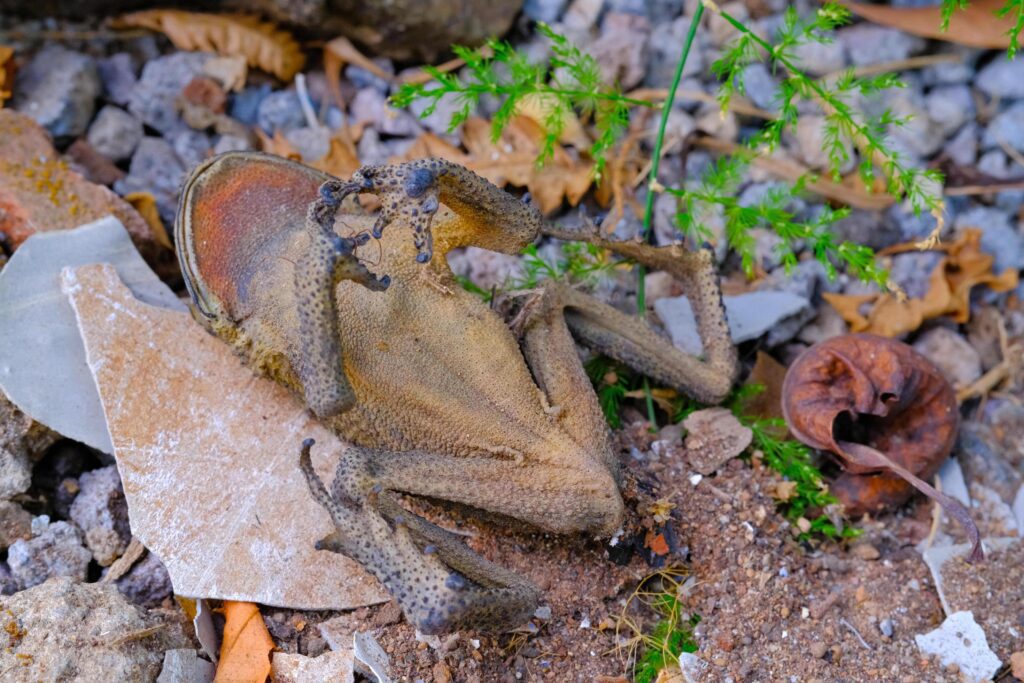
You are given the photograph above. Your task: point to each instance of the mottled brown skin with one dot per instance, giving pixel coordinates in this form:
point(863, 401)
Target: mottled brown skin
point(440, 397)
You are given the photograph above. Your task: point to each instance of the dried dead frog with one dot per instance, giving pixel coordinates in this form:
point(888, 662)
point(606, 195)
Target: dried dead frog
point(439, 396)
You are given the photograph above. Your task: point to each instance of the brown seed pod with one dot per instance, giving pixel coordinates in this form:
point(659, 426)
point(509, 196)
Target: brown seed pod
point(885, 411)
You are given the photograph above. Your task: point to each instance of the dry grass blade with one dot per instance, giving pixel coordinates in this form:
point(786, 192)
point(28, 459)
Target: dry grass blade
point(975, 26)
point(261, 43)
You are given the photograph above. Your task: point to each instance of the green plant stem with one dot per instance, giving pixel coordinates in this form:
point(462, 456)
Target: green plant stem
point(666, 109)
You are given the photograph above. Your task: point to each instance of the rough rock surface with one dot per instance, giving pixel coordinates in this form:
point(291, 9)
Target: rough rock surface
point(58, 89)
point(20, 436)
point(38, 192)
point(68, 631)
point(55, 551)
point(101, 512)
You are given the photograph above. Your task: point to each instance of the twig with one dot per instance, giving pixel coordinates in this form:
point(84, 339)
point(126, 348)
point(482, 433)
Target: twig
point(120, 567)
point(844, 622)
point(304, 102)
point(897, 65)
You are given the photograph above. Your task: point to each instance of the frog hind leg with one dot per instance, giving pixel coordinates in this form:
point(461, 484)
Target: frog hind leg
point(629, 339)
point(439, 583)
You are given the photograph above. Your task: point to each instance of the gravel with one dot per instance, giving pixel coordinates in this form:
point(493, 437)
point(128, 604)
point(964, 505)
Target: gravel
point(1001, 79)
point(153, 100)
point(115, 133)
point(55, 551)
point(58, 88)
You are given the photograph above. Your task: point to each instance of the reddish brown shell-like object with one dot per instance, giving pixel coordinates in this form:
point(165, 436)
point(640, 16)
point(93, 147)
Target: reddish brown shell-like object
point(884, 410)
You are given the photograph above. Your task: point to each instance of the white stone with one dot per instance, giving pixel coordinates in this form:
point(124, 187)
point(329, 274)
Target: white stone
point(959, 640)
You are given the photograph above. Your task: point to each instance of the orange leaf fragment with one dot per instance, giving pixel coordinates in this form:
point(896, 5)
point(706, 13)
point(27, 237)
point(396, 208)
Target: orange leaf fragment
point(145, 204)
point(6, 72)
point(975, 26)
point(245, 651)
point(658, 544)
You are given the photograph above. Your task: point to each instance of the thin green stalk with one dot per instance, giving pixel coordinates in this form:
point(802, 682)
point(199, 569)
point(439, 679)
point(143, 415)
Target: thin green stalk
point(652, 183)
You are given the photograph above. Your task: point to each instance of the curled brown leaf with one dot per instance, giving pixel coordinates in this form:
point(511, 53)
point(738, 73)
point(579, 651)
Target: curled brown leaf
point(885, 411)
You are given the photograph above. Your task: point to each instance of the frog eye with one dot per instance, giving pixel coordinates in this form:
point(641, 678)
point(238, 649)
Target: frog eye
point(237, 213)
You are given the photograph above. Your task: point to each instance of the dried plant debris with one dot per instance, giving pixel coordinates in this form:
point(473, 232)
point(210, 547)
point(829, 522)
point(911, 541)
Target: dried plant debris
point(261, 43)
point(245, 651)
point(964, 267)
point(207, 457)
point(885, 411)
point(975, 24)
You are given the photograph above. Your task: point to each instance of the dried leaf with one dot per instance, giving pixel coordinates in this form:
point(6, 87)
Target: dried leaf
point(714, 436)
point(964, 267)
point(767, 404)
point(512, 160)
point(885, 411)
point(6, 72)
point(657, 544)
point(784, 491)
point(231, 72)
point(277, 145)
point(245, 652)
point(145, 204)
point(537, 107)
point(975, 26)
point(341, 160)
point(261, 43)
point(338, 53)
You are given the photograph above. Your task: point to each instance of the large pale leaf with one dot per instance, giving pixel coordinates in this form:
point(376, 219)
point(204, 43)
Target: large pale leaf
point(208, 455)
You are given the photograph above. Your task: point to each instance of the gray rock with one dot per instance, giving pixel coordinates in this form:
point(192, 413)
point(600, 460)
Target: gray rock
point(115, 133)
point(950, 107)
point(101, 512)
point(281, 111)
point(157, 169)
point(1002, 78)
point(361, 78)
point(1007, 421)
point(436, 121)
point(810, 141)
point(371, 106)
point(154, 99)
point(920, 137)
point(760, 86)
point(750, 316)
point(825, 325)
point(621, 49)
point(20, 437)
point(185, 666)
point(963, 148)
point(370, 148)
point(869, 228)
point(997, 237)
point(994, 163)
point(192, 147)
point(85, 632)
point(982, 456)
point(58, 89)
point(57, 551)
point(950, 73)
point(311, 143)
point(245, 105)
point(819, 59)
point(231, 143)
point(911, 226)
point(664, 51)
point(15, 524)
point(547, 11)
point(912, 271)
point(868, 44)
point(118, 75)
point(803, 280)
point(951, 354)
point(1006, 127)
point(147, 583)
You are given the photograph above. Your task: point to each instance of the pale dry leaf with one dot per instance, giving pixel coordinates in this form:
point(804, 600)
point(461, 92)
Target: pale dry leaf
point(231, 71)
point(538, 107)
point(208, 455)
point(262, 44)
point(145, 204)
point(975, 26)
point(338, 53)
point(714, 436)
